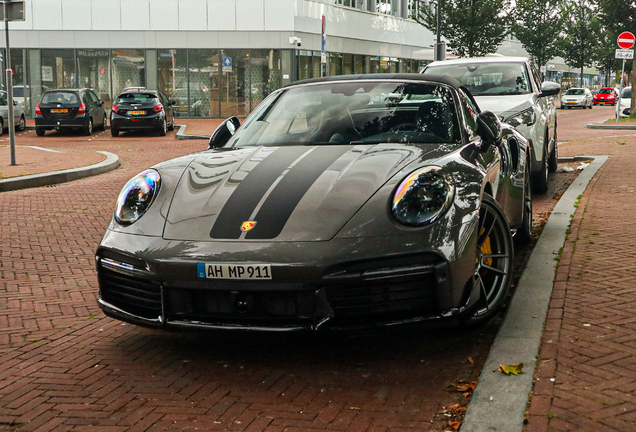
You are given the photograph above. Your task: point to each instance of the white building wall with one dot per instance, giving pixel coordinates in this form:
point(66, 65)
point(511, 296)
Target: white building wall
point(216, 24)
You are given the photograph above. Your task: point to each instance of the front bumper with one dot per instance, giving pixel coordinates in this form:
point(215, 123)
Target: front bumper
point(580, 103)
point(376, 289)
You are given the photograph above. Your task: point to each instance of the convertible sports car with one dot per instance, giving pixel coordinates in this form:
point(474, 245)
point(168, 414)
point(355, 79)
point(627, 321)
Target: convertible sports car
point(339, 203)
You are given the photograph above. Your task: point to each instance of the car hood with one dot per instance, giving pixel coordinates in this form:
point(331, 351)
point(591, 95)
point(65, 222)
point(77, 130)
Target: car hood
point(504, 106)
point(573, 97)
point(289, 193)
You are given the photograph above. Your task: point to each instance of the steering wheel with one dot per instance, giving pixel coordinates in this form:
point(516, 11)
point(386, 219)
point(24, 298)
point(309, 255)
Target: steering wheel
point(404, 127)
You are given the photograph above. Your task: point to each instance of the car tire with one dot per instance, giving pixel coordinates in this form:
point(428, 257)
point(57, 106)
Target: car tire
point(22, 123)
point(40, 131)
point(553, 161)
point(104, 124)
point(114, 132)
point(495, 256)
point(524, 233)
point(88, 130)
point(163, 128)
point(171, 127)
point(540, 179)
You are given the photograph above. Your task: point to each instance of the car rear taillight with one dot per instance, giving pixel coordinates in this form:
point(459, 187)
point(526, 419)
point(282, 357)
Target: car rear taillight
point(82, 109)
point(115, 108)
point(37, 109)
point(158, 108)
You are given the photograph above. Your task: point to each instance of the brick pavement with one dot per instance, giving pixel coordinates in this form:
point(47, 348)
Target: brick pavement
point(64, 366)
point(586, 378)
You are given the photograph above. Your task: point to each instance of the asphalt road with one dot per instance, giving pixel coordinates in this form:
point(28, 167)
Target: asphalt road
point(64, 366)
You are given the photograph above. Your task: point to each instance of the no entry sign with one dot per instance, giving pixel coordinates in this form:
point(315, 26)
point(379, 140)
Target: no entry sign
point(626, 40)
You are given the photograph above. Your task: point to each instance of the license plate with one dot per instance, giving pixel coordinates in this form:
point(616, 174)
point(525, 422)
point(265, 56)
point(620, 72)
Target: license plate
point(571, 102)
point(234, 271)
point(59, 110)
point(136, 112)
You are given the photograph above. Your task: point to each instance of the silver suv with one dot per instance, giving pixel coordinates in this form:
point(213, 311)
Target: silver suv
point(510, 87)
point(18, 113)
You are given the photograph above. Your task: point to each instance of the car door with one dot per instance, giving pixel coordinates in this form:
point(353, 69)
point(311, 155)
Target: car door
point(100, 113)
point(547, 114)
point(167, 107)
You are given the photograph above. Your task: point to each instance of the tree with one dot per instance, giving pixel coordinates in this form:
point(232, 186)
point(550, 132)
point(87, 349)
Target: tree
point(604, 53)
point(537, 24)
point(581, 30)
point(471, 27)
point(623, 14)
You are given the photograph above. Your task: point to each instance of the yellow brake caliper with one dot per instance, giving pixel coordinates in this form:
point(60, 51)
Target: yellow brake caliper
point(486, 249)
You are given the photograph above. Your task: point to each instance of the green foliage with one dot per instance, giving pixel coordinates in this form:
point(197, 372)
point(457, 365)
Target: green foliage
point(471, 27)
point(581, 28)
point(537, 25)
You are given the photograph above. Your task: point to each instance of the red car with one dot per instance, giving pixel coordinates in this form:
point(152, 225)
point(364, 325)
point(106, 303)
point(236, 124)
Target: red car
point(606, 96)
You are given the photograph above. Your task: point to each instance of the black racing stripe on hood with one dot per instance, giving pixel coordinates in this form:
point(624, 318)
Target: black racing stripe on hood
point(250, 191)
point(281, 203)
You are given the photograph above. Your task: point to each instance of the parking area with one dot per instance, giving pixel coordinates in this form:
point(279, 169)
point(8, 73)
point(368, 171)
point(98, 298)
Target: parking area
point(64, 366)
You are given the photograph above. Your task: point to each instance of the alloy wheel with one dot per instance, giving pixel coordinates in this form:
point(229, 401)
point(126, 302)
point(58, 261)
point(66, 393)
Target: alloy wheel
point(493, 270)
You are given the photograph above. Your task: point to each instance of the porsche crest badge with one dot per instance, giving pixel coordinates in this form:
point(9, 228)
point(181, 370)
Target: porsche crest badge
point(247, 225)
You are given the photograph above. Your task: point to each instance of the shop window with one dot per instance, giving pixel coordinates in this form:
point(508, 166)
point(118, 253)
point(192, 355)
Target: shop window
point(335, 64)
point(93, 70)
point(172, 78)
point(234, 93)
point(264, 74)
point(128, 68)
point(58, 68)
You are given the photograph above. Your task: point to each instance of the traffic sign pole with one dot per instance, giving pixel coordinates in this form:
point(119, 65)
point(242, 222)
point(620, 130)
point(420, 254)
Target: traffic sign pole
point(625, 41)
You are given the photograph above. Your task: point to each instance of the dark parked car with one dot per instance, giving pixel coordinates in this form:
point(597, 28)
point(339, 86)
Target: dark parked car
point(339, 203)
point(141, 109)
point(69, 109)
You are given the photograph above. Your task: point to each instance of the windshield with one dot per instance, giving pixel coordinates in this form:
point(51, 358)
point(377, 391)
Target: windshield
point(66, 98)
point(575, 92)
point(354, 112)
point(136, 98)
point(606, 91)
point(487, 79)
point(627, 93)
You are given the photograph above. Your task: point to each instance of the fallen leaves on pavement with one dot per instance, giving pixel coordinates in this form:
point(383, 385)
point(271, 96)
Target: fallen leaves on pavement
point(511, 369)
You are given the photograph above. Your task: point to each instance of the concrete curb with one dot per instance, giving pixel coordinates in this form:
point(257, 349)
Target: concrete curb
point(181, 135)
point(615, 126)
point(55, 177)
point(499, 401)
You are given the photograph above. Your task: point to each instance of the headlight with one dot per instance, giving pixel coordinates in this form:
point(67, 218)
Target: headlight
point(422, 197)
point(527, 117)
point(137, 196)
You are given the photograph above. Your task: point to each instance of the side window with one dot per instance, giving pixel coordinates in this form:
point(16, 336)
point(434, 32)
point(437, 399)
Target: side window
point(470, 112)
point(163, 99)
point(87, 99)
point(3, 98)
point(535, 78)
point(94, 97)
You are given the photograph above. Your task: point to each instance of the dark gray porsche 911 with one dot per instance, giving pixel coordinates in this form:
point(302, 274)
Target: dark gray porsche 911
point(339, 203)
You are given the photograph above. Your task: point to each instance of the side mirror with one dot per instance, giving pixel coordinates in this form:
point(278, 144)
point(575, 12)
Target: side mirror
point(15, 103)
point(173, 103)
point(549, 88)
point(489, 127)
point(224, 132)
point(100, 103)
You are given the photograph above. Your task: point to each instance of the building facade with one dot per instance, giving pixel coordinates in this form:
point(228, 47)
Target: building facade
point(214, 58)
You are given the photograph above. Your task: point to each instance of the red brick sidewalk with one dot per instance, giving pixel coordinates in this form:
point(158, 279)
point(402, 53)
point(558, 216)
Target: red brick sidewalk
point(586, 378)
point(36, 156)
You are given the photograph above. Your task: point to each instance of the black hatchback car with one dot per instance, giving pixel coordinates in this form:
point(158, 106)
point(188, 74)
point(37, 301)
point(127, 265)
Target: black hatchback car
point(69, 109)
point(142, 109)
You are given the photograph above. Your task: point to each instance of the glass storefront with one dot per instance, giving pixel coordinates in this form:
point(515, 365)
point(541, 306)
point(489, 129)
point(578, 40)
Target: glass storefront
point(202, 82)
point(58, 68)
point(94, 72)
point(128, 69)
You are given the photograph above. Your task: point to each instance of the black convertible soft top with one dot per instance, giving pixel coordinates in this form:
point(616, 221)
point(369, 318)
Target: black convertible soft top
point(384, 76)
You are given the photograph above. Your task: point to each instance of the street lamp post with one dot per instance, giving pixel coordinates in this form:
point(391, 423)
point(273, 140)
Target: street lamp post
point(440, 47)
point(9, 84)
